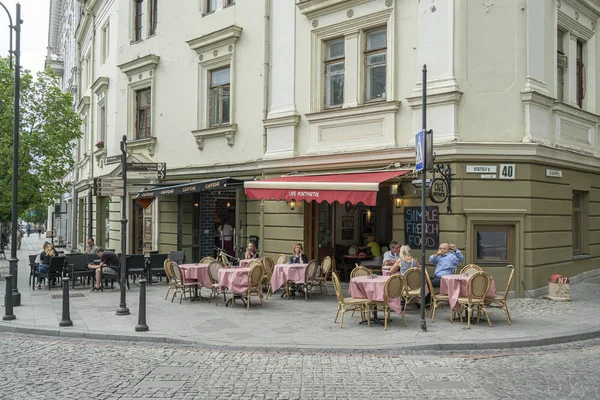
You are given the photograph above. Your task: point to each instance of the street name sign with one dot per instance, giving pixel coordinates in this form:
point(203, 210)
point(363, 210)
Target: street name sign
point(137, 170)
point(112, 160)
point(107, 187)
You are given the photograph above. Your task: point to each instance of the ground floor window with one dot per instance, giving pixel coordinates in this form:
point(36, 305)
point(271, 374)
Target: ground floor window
point(492, 244)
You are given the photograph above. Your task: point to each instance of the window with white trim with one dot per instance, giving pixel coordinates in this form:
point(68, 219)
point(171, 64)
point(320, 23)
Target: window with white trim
point(561, 64)
point(101, 123)
point(219, 96)
point(334, 73)
point(153, 16)
point(375, 56)
point(138, 20)
point(144, 21)
point(105, 42)
point(143, 112)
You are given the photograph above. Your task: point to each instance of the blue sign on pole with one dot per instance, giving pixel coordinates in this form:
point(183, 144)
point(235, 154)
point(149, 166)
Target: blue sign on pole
point(31, 213)
point(420, 151)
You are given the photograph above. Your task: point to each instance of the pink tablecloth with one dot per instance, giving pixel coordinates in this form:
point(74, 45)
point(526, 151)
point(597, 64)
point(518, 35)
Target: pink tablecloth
point(455, 286)
point(234, 279)
point(197, 272)
point(363, 287)
point(287, 272)
point(244, 263)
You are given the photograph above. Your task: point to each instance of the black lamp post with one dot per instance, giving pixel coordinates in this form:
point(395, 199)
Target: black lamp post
point(123, 310)
point(14, 261)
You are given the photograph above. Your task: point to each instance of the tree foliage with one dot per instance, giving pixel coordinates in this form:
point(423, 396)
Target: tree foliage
point(48, 132)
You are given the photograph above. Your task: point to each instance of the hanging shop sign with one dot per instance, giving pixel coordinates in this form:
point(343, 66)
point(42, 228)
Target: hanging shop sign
point(438, 190)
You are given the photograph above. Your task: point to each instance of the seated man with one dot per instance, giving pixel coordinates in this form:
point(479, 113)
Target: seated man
point(375, 251)
point(446, 259)
point(91, 247)
point(109, 265)
point(390, 257)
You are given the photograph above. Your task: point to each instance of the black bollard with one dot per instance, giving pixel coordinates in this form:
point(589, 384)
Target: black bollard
point(66, 313)
point(141, 325)
point(8, 300)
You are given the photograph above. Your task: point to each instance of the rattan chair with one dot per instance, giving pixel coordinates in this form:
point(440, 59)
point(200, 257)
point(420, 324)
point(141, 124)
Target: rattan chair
point(349, 303)
point(169, 274)
point(437, 299)
point(255, 277)
point(213, 274)
point(412, 294)
point(500, 301)
point(360, 271)
point(181, 284)
point(268, 266)
point(206, 260)
point(326, 269)
point(477, 287)
point(309, 278)
point(281, 259)
point(470, 269)
point(394, 288)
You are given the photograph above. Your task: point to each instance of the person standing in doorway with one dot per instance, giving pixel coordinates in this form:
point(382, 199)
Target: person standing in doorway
point(226, 232)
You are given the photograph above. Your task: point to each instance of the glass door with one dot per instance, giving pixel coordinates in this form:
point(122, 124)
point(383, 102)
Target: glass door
point(320, 233)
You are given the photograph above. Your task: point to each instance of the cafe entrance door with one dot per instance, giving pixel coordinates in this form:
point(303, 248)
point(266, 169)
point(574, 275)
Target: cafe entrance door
point(320, 230)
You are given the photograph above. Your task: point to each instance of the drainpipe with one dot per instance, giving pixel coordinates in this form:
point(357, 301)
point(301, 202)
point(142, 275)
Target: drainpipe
point(262, 221)
point(266, 51)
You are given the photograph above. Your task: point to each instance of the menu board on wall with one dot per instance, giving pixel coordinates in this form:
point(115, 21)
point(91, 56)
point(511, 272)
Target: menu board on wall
point(412, 227)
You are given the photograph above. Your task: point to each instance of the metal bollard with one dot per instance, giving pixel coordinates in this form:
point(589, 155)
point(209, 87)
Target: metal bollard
point(66, 313)
point(141, 325)
point(8, 300)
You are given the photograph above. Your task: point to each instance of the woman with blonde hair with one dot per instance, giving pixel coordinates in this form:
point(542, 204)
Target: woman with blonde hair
point(298, 257)
point(45, 258)
point(405, 261)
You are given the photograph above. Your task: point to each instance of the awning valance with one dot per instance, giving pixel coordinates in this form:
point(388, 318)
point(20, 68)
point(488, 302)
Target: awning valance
point(184, 188)
point(353, 187)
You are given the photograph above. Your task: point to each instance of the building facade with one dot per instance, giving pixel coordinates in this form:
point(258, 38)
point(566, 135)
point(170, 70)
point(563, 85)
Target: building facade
point(322, 90)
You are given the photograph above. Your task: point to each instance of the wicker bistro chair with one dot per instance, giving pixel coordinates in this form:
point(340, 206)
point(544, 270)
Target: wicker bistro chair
point(207, 260)
point(180, 282)
point(349, 303)
point(255, 277)
point(394, 288)
point(213, 274)
point(268, 266)
point(169, 273)
point(326, 269)
point(500, 301)
point(360, 271)
point(309, 278)
point(281, 259)
point(437, 299)
point(412, 294)
point(470, 269)
point(478, 286)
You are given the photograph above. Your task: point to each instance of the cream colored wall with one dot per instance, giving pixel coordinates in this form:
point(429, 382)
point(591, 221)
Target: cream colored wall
point(167, 221)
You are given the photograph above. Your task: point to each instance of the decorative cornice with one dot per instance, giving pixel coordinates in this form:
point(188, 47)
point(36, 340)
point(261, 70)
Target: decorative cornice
point(137, 144)
point(100, 155)
point(222, 37)
point(435, 99)
point(141, 64)
point(316, 8)
point(574, 27)
point(538, 98)
point(367, 109)
point(100, 85)
point(288, 120)
point(228, 131)
point(589, 8)
point(575, 112)
point(84, 105)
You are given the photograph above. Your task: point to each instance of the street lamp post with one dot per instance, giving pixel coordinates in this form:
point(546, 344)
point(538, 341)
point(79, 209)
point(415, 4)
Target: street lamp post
point(123, 310)
point(14, 261)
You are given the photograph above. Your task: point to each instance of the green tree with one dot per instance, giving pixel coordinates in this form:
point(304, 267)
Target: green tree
point(49, 129)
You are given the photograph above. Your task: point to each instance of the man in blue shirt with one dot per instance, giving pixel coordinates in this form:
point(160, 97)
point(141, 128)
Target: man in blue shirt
point(446, 259)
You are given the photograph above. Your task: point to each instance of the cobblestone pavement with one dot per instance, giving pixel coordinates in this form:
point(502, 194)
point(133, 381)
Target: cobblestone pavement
point(36, 367)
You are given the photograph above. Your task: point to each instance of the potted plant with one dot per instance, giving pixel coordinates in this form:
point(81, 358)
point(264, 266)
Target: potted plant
point(100, 144)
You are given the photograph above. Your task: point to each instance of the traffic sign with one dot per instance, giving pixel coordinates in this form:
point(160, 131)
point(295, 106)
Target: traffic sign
point(146, 170)
point(420, 151)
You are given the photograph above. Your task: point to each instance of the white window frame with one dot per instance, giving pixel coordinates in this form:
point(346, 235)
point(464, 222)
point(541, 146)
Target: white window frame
point(102, 125)
point(354, 80)
point(221, 4)
point(208, 96)
point(105, 41)
point(204, 89)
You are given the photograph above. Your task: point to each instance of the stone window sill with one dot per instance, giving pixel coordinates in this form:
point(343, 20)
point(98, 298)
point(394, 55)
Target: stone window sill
point(140, 144)
point(581, 256)
point(227, 131)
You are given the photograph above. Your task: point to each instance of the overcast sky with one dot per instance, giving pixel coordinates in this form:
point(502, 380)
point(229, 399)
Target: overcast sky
point(34, 31)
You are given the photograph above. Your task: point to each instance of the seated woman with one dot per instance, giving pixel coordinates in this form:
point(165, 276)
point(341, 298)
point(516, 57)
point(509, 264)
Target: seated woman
point(45, 258)
point(375, 251)
point(405, 261)
point(298, 257)
point(251, 251)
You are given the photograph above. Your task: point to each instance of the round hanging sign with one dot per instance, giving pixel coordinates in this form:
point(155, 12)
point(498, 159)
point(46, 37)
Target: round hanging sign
point(438, 190)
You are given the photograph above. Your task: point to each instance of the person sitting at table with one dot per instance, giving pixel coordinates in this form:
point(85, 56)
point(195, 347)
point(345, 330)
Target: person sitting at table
point(251, 251)
point(446, 259)
point(298, 257)
point(44, 263)
point(405, 261)
point(109, 265)
point(91, 247)
point(375, 251)
point(38, 258)
point(390, 257)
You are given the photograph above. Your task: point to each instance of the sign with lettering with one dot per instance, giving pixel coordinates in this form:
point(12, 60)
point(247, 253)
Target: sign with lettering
point(438, 190)
point(481, 169)
point(412, 227)
point(507, 171)
point(136, 170)
point(554, 173)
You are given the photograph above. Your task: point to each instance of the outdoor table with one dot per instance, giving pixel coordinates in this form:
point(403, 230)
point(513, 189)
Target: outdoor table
point(287, 272)
point(245, 263)
point(386, 272)
point(197, 272)
point(365, 287)
point(455, 286)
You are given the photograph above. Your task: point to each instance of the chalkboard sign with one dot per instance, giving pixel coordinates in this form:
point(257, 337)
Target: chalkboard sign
point(412, 227)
